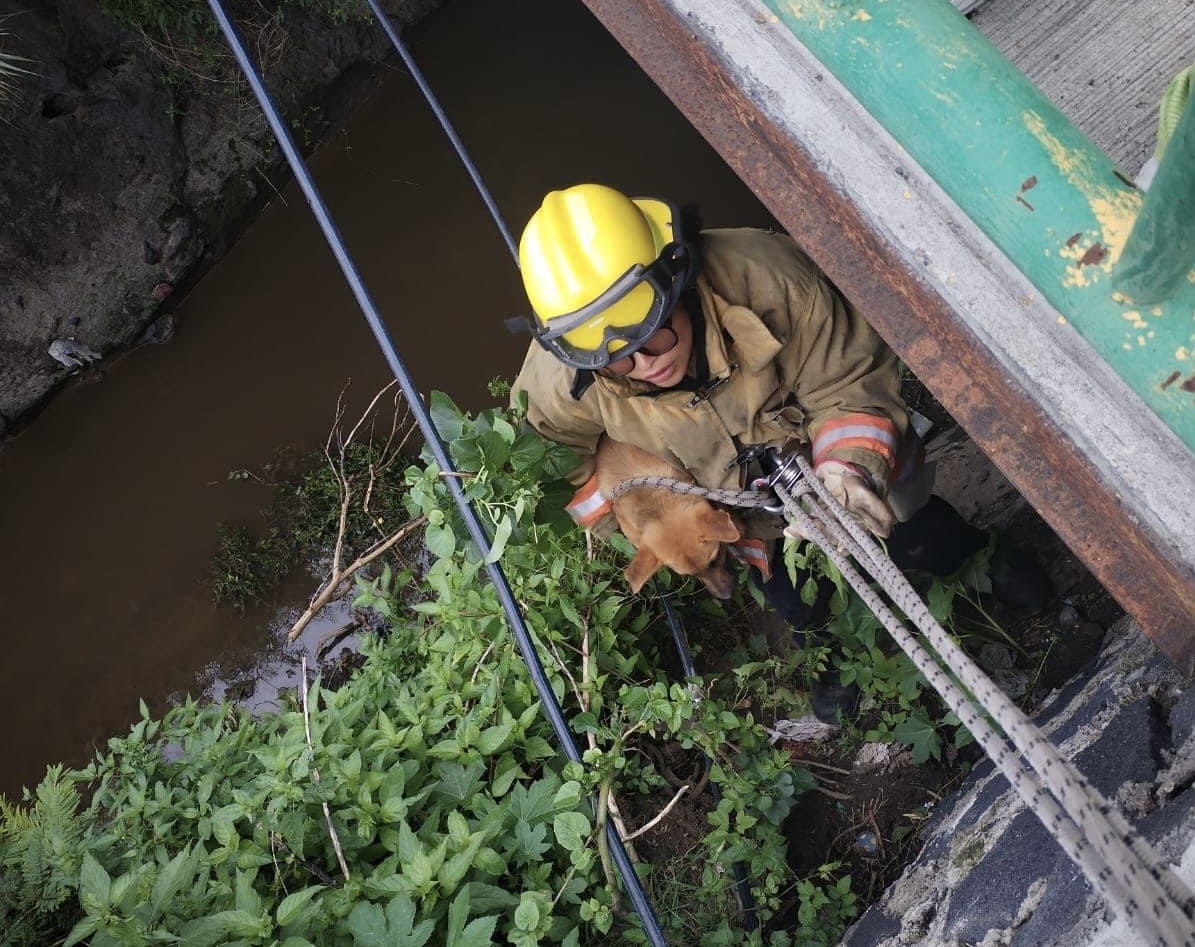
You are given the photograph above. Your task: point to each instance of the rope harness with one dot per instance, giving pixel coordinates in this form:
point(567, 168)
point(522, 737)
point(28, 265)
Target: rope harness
point(1120, 865)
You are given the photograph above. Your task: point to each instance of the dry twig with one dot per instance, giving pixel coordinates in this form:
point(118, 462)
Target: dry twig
point(336, 448)
point(647, 826)
point(315, 777)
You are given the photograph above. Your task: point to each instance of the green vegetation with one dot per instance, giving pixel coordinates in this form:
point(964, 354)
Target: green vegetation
point(190, 23)
point(185, 22)
point(303, 519)
point(425, 801)
point(185, 38)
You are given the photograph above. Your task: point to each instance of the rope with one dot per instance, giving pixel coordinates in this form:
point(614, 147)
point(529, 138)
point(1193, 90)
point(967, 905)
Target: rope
point(1117, 861)
point(746, 498)
point(401, 48)
point(435, 444)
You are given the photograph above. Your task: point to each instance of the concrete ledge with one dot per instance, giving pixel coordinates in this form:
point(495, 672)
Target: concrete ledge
point(989, 873)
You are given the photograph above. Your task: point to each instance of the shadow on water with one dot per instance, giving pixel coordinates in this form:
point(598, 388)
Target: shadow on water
point(112, 497)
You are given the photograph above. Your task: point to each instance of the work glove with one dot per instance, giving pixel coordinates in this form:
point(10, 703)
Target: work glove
point(851, 487)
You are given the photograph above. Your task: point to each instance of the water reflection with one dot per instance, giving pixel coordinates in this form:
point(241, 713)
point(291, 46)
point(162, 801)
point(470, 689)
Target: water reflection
point(111, 498)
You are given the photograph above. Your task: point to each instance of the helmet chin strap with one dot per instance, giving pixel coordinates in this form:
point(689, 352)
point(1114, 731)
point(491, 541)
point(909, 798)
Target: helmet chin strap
point(583, 379)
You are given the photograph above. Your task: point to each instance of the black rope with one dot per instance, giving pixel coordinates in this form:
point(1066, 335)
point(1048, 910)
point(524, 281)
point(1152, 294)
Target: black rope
point(436, 444)
point(432, 101)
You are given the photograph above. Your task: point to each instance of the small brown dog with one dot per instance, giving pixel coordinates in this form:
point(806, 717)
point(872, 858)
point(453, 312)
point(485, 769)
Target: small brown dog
point(685, 533)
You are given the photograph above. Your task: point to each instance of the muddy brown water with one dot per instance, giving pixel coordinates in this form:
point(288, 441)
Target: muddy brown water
point(110, 499)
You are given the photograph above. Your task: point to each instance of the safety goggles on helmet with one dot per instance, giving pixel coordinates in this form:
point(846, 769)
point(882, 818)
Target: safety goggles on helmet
point(668, 277)
point(661, 342)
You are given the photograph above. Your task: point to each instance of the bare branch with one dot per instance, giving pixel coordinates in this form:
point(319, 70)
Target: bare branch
point(663, 813)
point(337, 585)
point(315, 776)
point(336, 447)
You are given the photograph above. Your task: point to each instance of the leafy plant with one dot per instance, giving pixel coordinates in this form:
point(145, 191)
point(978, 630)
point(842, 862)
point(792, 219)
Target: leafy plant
point(187, 22)
point(303, 521)
point(425, 801)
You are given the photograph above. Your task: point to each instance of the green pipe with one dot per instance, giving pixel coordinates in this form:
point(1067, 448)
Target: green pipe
point(1160, 251)
point(1050, 199)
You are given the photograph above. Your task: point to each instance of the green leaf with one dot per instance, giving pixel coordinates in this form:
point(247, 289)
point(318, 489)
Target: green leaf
point(367, 924)
point(221, 926)
point(459, 782)
point(94, 882)
point(84, 929)
point(494, 738)
point(293, 904)
point(446, 416)
point(501, 536)
point(568, 796)
point(177, 874)
point(527, 913)
point(441, 541)
point(477, 933)
point(920, 735)
point(940, 600)
point(400, 917)
point(487, 897)
point(505, 430)
point(532, 803)
point(527, 452)
point(572, 829)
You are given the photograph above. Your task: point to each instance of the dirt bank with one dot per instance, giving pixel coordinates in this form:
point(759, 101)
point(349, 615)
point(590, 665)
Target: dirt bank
point(130, 164)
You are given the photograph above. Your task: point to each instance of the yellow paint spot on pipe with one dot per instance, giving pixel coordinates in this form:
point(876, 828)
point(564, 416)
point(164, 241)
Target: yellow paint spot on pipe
point(1181, 353)
point(862, 16)
point(1115, 209)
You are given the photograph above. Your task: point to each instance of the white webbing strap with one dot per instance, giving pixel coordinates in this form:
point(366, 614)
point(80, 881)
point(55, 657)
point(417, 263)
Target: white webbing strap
point(1118, 862)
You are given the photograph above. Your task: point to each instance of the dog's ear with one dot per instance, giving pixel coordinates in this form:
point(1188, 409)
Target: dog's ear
point(719, 525)
point(642, 567)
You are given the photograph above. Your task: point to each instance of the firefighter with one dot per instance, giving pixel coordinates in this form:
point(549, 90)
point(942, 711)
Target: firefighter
point(697, 345)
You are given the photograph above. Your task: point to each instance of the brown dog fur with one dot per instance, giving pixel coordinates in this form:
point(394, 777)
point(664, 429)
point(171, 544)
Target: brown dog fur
point(685, 533)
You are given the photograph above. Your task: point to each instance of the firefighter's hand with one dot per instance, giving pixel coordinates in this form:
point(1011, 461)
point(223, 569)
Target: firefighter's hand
point(852, 488)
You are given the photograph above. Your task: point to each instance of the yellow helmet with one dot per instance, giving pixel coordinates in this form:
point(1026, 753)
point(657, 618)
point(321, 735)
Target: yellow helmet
point(602, 271)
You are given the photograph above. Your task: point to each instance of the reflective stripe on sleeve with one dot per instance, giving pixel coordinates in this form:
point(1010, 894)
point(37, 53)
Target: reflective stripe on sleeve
point(864, 431)
point(754, 553)
point(589, 504)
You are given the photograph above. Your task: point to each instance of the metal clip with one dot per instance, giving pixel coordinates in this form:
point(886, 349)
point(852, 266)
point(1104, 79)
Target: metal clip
point(747, 456)
point(705, 391)
point(765, 484)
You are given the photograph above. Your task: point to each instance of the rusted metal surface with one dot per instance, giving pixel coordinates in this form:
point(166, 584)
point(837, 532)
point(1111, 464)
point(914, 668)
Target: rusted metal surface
point(1005, 419)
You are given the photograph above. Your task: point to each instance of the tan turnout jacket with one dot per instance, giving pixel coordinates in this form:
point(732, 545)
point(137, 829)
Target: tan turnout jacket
point(788, 358)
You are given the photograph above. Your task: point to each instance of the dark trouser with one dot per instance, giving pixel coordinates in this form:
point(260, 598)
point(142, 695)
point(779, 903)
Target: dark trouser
point(936, 540)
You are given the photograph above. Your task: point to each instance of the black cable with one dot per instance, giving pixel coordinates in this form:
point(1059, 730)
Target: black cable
point(436, 444)
point(417, 75)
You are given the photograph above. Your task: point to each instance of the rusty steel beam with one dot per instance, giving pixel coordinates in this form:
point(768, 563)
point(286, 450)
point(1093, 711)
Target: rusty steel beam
point(1050, 461)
